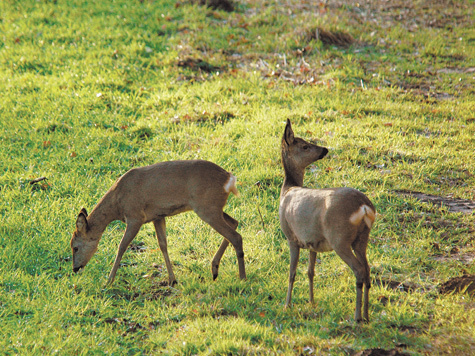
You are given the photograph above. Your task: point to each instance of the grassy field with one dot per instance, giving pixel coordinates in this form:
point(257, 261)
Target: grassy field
point(91, 89)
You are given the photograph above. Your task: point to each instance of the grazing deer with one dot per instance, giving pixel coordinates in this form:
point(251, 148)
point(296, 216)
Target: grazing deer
point(150, 194)
point(323, 220)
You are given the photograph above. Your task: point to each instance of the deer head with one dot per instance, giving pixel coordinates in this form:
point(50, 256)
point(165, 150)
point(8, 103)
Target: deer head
point(297, 154)
point(300, 152)
point(83, 243)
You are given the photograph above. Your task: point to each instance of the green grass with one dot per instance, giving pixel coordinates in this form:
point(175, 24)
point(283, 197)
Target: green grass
point(90, 90)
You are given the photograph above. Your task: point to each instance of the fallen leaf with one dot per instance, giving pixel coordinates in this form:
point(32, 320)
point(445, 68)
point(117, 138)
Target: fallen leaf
point(44, 186)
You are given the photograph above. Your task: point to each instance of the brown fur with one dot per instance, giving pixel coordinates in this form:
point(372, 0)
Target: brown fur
point(323, 220)
point(152, 193)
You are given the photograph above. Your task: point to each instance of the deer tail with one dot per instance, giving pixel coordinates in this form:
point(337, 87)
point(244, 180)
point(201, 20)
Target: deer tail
point(364, 213)
point(230, 185)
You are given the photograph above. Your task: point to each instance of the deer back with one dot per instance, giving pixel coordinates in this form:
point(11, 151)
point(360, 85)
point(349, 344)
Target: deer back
point(169, 188)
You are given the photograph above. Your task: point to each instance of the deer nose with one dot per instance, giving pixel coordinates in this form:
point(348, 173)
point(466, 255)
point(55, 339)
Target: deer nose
point(76, 269)
point(324, 152)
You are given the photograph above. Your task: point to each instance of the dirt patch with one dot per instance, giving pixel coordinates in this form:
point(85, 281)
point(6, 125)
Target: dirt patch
point(137, 247)
point(222, 312)
point(466, 284)
point(454, 205)
point(197, 64)
point(220, 117)
point(127, 325)
point(330, 38)
point(159, 293)
point(225, 5)
point(409, 329)
point(424, 90)
point(450, 70)
point(464, 258)
point(402, 287)
point(411, 15)
point(380, 352)
point(453, 231)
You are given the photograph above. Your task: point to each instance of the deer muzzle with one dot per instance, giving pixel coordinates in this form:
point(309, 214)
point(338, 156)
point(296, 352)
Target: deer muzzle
point(324, 153)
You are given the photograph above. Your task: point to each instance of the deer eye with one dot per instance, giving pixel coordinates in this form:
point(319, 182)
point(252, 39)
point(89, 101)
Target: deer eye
point(75, 249)
point(305, 147)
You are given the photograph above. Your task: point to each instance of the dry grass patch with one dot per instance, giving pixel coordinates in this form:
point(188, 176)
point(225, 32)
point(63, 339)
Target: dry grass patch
point(331, 38)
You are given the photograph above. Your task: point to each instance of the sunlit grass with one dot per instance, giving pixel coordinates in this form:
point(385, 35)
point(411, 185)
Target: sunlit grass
point(92, 90)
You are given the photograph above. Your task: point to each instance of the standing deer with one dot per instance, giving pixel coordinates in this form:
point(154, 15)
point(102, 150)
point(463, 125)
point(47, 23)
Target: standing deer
point(150, 194)
point(323, 220)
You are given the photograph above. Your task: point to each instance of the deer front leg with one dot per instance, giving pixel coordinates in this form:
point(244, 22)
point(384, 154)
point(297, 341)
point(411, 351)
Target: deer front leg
point(294, 260)
point(131, 231)
point(160, 229)
point(311, 273)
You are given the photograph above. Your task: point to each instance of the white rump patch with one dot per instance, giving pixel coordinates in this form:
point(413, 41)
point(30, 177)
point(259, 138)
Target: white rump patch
point(363, 213)
point(230, 186)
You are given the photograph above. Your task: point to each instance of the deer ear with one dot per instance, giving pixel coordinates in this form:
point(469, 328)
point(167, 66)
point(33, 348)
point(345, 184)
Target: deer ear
point(84, 211)
point(288, 134)
point(81, 222)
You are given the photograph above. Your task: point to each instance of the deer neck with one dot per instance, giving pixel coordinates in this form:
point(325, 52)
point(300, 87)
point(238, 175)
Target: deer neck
point(102, 215)
point(293, 175)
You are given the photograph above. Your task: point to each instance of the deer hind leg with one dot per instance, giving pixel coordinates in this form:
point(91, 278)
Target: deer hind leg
point(294, 260)
point(160, 229)
point(219, 254)
point(311, 273)
point(359, 247)
point(131, 231)
point(218, 221)
point(359, 270)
